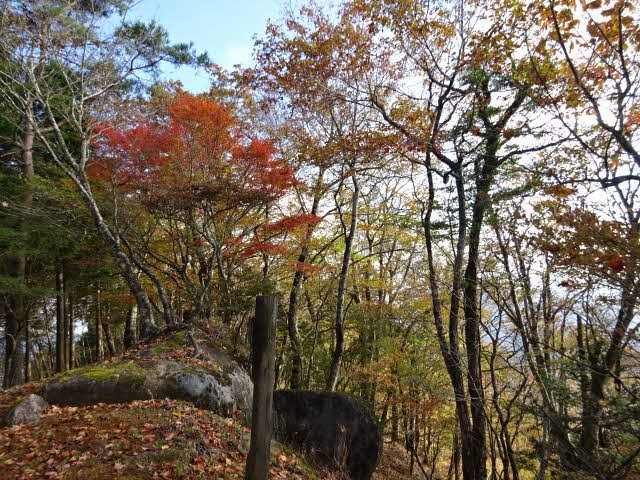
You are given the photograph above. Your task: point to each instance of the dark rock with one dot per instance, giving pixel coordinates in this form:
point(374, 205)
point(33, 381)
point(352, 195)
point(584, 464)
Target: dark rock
point(28, 410)
point(333, 428)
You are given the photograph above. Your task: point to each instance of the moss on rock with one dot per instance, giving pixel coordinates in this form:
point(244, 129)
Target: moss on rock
point(16, 401)
point(120, 373)
point(166, 345)
point(213, 379)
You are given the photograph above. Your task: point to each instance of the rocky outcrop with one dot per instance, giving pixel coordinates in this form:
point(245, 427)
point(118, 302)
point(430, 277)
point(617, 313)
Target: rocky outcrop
point(28, 410)
point(215, 381)
point(333, 428)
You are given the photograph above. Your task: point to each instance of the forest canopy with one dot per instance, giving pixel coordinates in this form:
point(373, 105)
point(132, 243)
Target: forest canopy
point(443, 195)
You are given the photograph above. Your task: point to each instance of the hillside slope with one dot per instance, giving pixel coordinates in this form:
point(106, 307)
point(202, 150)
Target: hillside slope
point(146, 438)
point(143, 440)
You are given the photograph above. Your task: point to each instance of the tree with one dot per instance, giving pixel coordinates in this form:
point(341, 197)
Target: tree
point(590, 89)
point(63, 60)
point(459, 121)
point(202, 178)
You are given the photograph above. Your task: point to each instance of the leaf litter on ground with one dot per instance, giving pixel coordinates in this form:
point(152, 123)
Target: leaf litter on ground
point(151, 439)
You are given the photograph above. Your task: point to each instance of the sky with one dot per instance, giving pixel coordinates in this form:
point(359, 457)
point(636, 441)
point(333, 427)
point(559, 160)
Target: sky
point(224, 28)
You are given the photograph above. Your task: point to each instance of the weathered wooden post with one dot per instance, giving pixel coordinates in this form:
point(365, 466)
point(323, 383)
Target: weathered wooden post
point(263, 353)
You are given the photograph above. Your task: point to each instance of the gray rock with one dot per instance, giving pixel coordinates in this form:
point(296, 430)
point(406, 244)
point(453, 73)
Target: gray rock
point(28, 410)
point(333, 428)
point(218, 384)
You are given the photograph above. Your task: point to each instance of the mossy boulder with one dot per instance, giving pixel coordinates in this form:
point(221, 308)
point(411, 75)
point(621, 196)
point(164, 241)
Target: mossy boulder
point(116, 382)
point(215, 381)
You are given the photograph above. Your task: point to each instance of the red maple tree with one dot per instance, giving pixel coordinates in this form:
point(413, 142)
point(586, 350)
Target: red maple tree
point(198, 153)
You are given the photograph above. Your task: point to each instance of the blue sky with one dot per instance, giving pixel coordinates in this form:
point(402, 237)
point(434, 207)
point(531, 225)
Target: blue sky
point(224, 28)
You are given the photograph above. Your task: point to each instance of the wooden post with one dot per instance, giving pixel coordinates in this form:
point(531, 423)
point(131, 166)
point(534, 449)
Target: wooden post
point(263, 350)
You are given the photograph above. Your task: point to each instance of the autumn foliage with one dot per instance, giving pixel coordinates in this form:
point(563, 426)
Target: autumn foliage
point(193, 153)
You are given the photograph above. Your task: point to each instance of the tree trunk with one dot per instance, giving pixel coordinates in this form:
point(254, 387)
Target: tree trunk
point(27, 350)
point(99, 338)
point(594, 393)
point(336, 359)
point(298, 279)
point(295, 381)
point(12, 335)
point(15, 313)
point(472, 314)
point(50, 357)
point(65, 324)
point(543, 455)
point(395, 424)
point(129, 332)
point(124, 263)
point(60, 321)
point(111, 346)
point(167, 310)
point(449, 348)
point(71, 355)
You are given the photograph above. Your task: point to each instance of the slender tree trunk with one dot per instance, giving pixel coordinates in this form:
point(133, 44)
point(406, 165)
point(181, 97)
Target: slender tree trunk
point(99, 333)
point(594, 391)
point(72, 343)
point(395, 422)
point(27, 350)
point(113, 240)
point(554, 423)
point(336, 359)
point(129, 335)
point(543, 456)
point(15, 313)
point(449, 347)
point(292, 323)
point(456, 457)
point(65, 324)
point(111, 346)
point(60, 321)
point(316, 334)
point(505, 439)
point(83, 351)
point(50, 356)
point(28, 172)
point(40, 367)
point(167, 310)
point(296, 287)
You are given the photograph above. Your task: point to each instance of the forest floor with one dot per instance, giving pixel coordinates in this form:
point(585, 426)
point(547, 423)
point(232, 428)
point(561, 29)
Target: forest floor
point(394, 465)
point(152, 439)
point(148, 440)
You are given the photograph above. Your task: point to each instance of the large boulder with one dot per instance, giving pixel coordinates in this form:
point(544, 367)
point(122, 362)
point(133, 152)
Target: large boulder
point(213, 381)
point(28, 410)
point(333, 428)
